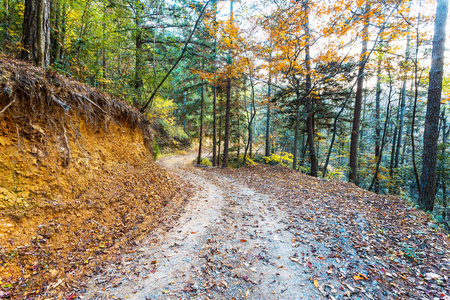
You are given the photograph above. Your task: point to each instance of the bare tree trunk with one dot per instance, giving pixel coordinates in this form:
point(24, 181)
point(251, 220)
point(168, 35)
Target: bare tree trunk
point(250, 123)
point(383, 140)
point(391, 165)
point(302, 161)
point(297, 125)
point(358, 100)
point(267, 152)
point(43, 33)
point(227, 107)
point(139, 64)
point(220, 128)
point(226, 138)
point(416, 94)
point(444, 178)
point(238, 136)
point(309, 100)
point(431, 132)
point(378, 128)
point(402, 108)
point(333, 137)
point(214, 126)
point(199, 157)
point(55, 33)
point(36, 32)
point(63, 31)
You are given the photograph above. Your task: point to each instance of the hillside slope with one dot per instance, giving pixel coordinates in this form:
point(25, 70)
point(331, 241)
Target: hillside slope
point(76, 179)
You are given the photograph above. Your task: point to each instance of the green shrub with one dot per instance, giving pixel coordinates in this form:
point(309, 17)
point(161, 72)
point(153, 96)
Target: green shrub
point(156, 150)
point(205, 162)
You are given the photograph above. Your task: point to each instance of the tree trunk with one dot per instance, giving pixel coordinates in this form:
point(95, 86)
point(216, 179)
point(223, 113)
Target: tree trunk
point(139, 64)
point(309, 100)
point(199, 157)
point(226, 138)
point(238, 136)
point(302, 161)
point(375, 179)
point(36, 32)
point(250, 124)
point(444, 178)
point(220, 128)
point(333, 137)
point(267, 152)
point(63, 32)
point(214, 127)
point(430, 138)
point(391, 165)
point(297, 125)
point(227, 106)
point(184, 111)
point(5, 18)
point(416, 95)
point(402, 108)
point(56, 31)
point(377, 124)
point(358, 100)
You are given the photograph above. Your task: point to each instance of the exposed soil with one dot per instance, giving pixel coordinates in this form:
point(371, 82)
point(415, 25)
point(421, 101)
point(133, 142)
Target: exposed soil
point(77, 182)
point(271, 233)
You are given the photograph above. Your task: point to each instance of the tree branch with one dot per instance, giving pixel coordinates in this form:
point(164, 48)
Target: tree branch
point(178, 60)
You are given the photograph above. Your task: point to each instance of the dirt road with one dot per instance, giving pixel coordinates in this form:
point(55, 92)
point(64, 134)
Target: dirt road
point(229, 242)
point(272, 233)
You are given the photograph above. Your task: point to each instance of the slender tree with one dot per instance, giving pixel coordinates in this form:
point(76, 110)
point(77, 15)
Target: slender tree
point(431, 132)
point(358, 99)
point(227, 106)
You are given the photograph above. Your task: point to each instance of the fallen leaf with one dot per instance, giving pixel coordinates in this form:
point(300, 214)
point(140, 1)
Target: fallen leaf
point(316, 283)
point(294, 259)
point(349, 287)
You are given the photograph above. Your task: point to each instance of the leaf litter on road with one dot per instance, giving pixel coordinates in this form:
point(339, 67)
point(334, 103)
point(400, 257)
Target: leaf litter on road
point(277, 234)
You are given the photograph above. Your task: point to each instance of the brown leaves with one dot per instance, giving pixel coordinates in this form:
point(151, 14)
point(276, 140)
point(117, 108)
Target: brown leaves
point(124, 204)
point(377, 239)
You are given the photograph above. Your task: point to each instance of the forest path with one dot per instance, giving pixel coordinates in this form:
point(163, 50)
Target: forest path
point(230, 241)
point(268, 233)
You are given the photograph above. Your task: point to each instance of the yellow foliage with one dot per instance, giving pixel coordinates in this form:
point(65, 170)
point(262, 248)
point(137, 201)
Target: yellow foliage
point(282, 159)
point(163, 109)
point(205, 162)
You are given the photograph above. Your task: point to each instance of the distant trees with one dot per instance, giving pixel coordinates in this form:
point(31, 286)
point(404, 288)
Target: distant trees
point(281, 84)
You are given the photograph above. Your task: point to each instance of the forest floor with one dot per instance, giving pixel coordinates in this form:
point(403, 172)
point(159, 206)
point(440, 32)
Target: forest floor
point(271, 233)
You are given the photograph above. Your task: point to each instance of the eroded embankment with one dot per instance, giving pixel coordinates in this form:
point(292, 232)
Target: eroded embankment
point(77, 180)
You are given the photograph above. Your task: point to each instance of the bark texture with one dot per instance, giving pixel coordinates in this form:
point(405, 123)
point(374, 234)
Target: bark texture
point(36, 32)
point(431, 133)
point(358, 102)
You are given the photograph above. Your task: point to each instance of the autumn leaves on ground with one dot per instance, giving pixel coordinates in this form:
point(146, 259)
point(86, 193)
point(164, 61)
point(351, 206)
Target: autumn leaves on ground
point(85, 212)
